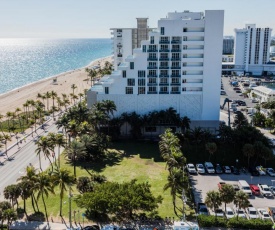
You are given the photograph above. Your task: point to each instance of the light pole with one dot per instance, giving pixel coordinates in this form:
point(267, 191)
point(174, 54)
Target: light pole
point(183, 203)
point(70, 206)
point(272, 182)
point(237, 163)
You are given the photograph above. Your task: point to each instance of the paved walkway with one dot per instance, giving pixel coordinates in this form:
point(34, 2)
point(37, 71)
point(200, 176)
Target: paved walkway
point(37, 225)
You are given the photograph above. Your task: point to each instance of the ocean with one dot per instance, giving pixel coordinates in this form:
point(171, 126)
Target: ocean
point(24, 61)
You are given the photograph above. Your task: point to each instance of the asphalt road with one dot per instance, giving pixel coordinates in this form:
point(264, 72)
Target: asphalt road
point(15, 168)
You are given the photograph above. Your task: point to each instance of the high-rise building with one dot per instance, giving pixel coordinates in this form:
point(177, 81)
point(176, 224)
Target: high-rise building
point(179, 66)
point(228, 45)
point(127, 39)
point(252, 46)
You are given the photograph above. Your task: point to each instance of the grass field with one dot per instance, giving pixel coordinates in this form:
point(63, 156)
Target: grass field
point(127, 160)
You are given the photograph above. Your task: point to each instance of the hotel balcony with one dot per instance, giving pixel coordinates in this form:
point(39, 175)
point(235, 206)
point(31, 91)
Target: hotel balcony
point(176, 84)
point(164, 50)
point(176, 42)
point(194, 76)
point(163, 92)
point(199, 92)
point(152, 67)
point(152, 92)
point(166, 76)
point(174, 75)
point(193, 34)
point(193, 84)
point(152, 50)
point(175, 92)
point(193, 43)
point(175, 50)
point(193, 51)
point(152, 59)
point(198, 68)
point(152, 84)
point(164, 84)
point(164, 42)
point(175, 67)
point(192, 59)
point(176, 59)
point(149, 75)
point(164, 67)
point(163, 59)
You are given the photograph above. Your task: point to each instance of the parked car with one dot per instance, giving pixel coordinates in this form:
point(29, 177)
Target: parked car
point(92, 227)
point(253, 171)
point(219, 169)
point(238, 91)
point(270, 171)
point(191, 168)
point(234, 170)
point(242, 103)
point(239, 212)
point(202, 209)
point(219, 212)
point(272, 190)
point(236, 88)
point(260, 170)
point(229, 213)
point(236, 187)
point(223, 92)
point(255, 189)
point(209, 167)
point(264, 189)
point(200, 168)
point(252, 213)
point(226, 169)
point(264, 214)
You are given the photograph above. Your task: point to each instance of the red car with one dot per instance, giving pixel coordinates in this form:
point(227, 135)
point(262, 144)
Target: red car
point(255, 189)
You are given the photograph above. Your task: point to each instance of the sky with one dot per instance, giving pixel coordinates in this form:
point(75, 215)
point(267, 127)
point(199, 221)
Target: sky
point(93, 19)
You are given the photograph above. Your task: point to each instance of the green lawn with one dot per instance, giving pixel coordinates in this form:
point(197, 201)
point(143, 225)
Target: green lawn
point(128, 160)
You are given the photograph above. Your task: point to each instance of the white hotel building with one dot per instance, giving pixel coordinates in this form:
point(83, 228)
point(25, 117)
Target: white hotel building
point(179, 66)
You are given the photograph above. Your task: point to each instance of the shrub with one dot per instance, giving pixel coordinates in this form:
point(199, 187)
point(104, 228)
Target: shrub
point(249, 224)
point(211, 221)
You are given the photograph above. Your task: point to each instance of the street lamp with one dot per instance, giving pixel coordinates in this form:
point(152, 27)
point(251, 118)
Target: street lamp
point(183, 203)
point(70, 206)
point(237, 163)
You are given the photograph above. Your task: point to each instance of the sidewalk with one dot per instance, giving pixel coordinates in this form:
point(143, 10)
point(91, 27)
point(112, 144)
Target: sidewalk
point(37, 225)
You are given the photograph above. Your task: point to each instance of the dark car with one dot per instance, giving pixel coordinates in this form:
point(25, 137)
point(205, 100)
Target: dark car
point(234, 170)
point(92, 227)
point(202, 209)
point(253, 171)
point(238, 91)
point(242, 103)
point(218, 169)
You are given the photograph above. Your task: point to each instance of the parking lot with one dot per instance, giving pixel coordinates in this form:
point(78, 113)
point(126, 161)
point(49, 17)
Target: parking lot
point(204, 183)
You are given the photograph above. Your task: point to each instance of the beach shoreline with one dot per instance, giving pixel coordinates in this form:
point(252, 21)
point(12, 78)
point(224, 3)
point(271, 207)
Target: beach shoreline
point(15, 98)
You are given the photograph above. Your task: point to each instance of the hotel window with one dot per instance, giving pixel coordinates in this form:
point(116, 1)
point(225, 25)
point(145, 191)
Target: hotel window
point(152, 47)
point(131, 82)
point(131, 65)
point(184, 29)
point(175, 72)
point(144, 48)
point(175, 55)
point(164, 89)
point(129, 90)
point(164, 72)
point(162, 30)
point(184, 38)
point(153, 55)
point(152, 89)
point(141, 82)
point(163, 80)
point(175, 89)
point(175, 80)
point(141, 73)
point(152, 40)
point(106, 90)
point(152, 80)
point(141, 90)
point(164, 64)
point(152, 64)
point(185, 47)
point(152, 72)
point(124, 73)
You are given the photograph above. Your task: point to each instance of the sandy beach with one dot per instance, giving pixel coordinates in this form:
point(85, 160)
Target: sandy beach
point(16, 98)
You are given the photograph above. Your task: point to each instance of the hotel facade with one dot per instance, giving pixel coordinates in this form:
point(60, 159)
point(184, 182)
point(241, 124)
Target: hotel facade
point(179, 66)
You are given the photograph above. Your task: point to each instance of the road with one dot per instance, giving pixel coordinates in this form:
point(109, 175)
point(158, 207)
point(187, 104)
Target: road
point(13, 169)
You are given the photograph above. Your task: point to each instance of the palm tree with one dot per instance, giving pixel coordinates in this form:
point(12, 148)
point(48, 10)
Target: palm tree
point(1, 127)
point(185, 123)
point(43, 185)
point(53, 97)
point(227, 193)
point(75, 150)
point(63, 179)
point(60, 141)
point(9, 215)
point(30, 177)
point(47, 96)
point(25, 192)
point(73, 87)
point(241, 201)
point(6, 138)
point(9, 116)
point(12, 192)
point(248, 151)
point(213, 200)
point(16, 112)
point(92, 73)
point(44, 146)
point(211, 147)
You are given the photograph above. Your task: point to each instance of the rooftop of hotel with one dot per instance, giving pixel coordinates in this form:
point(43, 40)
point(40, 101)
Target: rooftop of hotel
point(264, 89)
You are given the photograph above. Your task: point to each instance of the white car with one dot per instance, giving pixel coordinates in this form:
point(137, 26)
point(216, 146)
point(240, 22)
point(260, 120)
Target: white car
point(226, 169)
point(240, 212)
point(191, 169)
point(264, 214)
point(270, 171)
point(252, 213)
point(229, 213)
point(260, 170)
point(264, 189)
point(219, 212)
point(209, 167)
point(200, 168)
point(272, 189)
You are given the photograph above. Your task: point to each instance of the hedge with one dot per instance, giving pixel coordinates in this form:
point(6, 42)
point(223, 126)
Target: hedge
point(212, 221)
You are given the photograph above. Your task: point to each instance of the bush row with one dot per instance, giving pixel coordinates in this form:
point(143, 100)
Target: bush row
point(212, 221)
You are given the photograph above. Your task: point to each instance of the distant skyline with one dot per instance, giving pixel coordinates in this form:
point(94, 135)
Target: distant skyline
point(93, 19)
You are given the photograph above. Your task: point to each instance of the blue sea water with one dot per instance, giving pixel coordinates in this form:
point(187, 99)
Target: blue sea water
point(24, 61)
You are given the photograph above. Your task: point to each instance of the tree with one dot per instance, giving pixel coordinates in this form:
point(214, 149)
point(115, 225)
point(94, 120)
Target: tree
point(227, 194)
point(248, 151)
point(6, 138)
point(74, 151)
point(12, 192)
point(62, 179)
point(43, 185)
point(241, 201)
point(213, 200)
point(46, 147)
point(9, 215)
point(60, 141)
point(240, 120)
point(211, 147)
point(25, 192)
point(73, 87)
